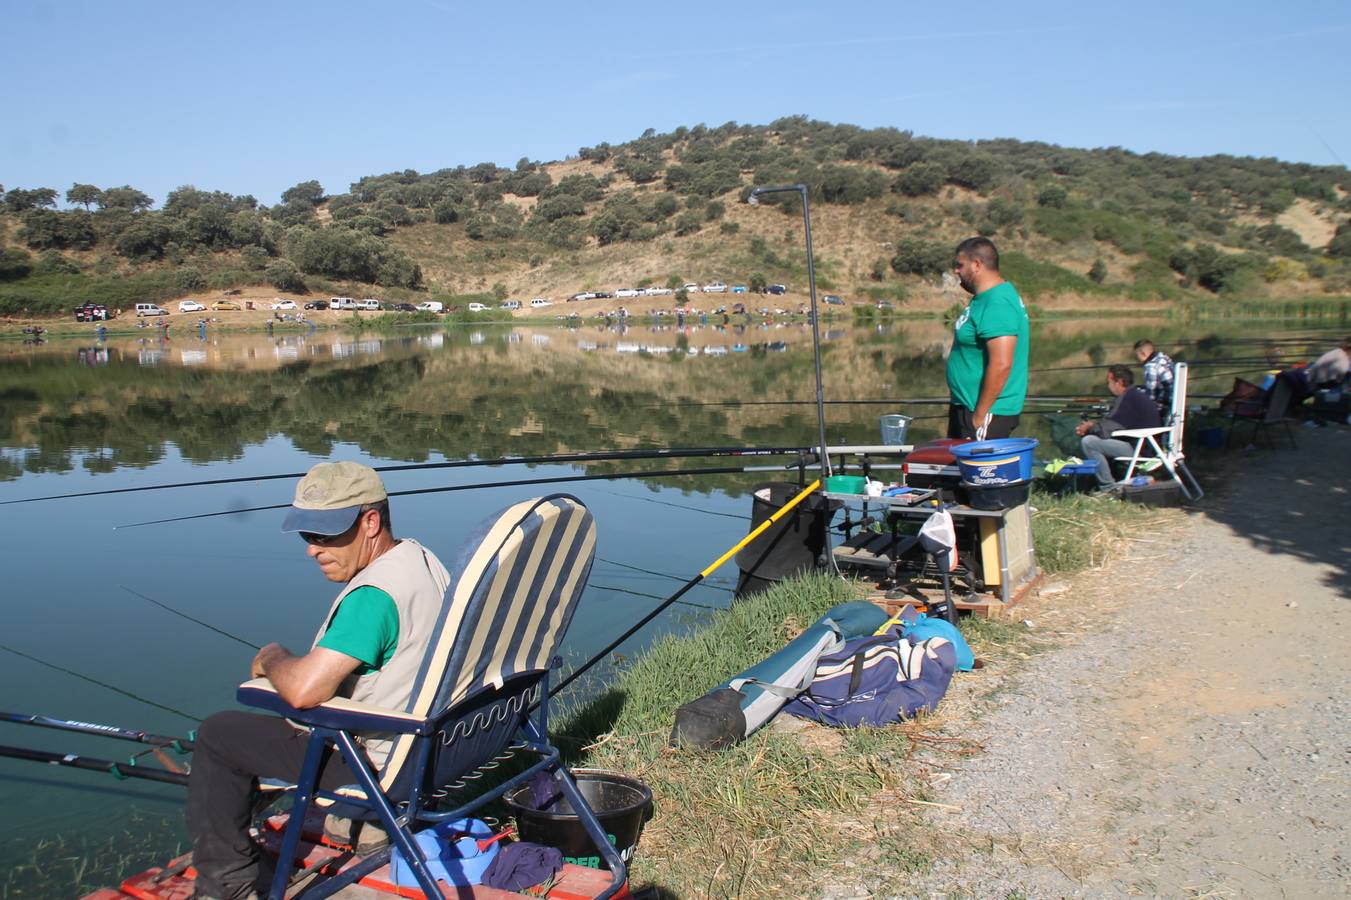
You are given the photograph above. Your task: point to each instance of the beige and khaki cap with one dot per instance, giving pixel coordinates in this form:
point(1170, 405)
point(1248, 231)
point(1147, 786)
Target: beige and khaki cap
point(331, 495)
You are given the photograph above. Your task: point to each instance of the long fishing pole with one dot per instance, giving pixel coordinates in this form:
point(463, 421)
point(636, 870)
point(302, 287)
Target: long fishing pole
point(654, 473)
point(598, 456)
point(102, 684)
point(184, 615)
point(117, 770)
point(182, 745)
point(707, 570)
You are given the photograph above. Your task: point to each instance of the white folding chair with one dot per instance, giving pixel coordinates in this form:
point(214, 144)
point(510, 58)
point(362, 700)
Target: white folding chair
point(1169, 457)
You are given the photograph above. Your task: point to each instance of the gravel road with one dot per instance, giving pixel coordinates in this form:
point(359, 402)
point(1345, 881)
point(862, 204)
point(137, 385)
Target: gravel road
point(1190, 733)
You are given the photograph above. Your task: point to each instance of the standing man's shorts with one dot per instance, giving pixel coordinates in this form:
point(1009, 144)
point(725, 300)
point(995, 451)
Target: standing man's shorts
point(960, 424)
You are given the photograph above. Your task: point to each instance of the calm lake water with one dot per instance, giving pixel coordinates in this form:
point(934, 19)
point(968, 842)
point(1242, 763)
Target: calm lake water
point(130, 412)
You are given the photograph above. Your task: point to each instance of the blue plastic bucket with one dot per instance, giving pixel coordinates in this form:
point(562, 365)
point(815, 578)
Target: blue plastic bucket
point(1005, 461)
point(452, 852)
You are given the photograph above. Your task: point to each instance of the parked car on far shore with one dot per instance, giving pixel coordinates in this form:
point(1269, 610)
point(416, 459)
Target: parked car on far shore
point(91, 312)
point(283, 304)
point(317, 304)
point(226, 304)
point(190, 306)
point(715, 287)
point(777, 289)
point(477, 307)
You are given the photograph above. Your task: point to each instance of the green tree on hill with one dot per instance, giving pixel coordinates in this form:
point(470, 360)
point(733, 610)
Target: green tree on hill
point(20, 200)
point(310, 192)
point(84, 194)
point(125, 197)
point(920, 180)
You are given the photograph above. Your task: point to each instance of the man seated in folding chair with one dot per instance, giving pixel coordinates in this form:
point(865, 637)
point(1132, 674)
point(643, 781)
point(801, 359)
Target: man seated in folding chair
point(1131, 408)
point(369, 648)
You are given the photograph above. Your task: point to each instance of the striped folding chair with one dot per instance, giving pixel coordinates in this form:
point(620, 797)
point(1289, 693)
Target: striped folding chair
point(514, 588)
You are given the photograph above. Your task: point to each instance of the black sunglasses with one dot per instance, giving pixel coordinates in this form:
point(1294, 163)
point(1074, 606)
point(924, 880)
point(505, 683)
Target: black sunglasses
point(323, 540)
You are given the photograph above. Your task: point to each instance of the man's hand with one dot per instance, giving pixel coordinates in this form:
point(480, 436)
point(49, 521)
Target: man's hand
point(270, 652)
point(1083, 428)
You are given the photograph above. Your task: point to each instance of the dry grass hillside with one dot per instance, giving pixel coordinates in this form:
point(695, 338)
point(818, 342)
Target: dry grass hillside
point(1092, 229)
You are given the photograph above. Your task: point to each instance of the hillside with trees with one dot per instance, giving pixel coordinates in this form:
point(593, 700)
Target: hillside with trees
point(1103, 227)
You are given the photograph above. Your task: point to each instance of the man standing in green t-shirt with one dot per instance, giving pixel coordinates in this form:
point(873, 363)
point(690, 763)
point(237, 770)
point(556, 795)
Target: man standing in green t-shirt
point(987, 366)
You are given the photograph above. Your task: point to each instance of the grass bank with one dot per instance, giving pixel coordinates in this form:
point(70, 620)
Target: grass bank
point(786, 810)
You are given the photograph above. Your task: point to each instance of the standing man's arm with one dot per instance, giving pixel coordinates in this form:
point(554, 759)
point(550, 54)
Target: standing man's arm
point(303, 681)
point(998, 365)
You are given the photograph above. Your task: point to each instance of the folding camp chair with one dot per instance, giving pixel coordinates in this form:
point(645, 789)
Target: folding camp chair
point(513, 590)
point(1271, 408)
point(1171, 456)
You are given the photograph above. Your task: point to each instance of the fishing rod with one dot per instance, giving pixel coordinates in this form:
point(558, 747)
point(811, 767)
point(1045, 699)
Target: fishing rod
point(182, 745)
point(598, 456)
point(184, 615)
point(117, 770)
point(687, 586)
point(102, 684)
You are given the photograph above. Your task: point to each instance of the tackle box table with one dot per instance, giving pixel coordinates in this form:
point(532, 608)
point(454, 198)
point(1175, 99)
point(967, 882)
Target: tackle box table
point(1008, 561)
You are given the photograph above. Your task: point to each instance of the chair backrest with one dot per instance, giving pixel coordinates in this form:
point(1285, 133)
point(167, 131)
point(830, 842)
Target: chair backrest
point(514, 588)
point(1278, 400)
point(1177, 413)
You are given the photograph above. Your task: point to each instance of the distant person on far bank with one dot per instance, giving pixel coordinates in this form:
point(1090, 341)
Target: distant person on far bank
point(987, 365)
point(1132, 408)
point(1158, 381)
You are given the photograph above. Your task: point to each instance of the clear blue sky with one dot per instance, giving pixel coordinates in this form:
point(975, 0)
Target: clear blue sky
point(253, 97)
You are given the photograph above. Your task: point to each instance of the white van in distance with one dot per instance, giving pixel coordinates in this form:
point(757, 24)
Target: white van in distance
point(341, 303)
point(435, 306)
point(150, 309)
point(371, 304)
point(512, 305)
point(540, 302)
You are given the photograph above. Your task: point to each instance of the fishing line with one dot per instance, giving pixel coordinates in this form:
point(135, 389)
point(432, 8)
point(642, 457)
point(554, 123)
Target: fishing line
point(621, 565)
point(707, 512)
point(598, 456)
point(619, 590)
point(184, 615)
point(654, 473)
point(102, 684)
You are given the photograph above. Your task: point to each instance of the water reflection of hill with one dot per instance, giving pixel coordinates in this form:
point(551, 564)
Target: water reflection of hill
point(493, 391)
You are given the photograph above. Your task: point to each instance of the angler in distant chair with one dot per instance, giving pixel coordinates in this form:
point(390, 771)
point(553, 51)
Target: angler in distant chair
point(1132, 408)
point(368, 648)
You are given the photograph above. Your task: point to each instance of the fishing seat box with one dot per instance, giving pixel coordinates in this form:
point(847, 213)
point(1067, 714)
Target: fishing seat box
point(1158, 493)
point(932, 465)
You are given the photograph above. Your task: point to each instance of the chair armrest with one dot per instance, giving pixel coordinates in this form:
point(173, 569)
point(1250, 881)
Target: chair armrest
point(1140, 432)
point(339, 712)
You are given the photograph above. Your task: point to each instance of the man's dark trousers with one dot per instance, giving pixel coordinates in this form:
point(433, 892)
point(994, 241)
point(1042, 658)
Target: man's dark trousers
point(233, 750)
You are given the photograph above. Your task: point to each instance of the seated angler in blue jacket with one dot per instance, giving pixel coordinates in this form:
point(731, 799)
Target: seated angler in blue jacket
point(1132, 408)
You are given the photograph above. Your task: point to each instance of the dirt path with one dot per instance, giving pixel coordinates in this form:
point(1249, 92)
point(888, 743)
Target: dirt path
point(1191, 734)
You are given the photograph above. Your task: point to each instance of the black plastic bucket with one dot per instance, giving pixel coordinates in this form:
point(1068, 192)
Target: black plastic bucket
point(795, 543)
point(622, 804)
